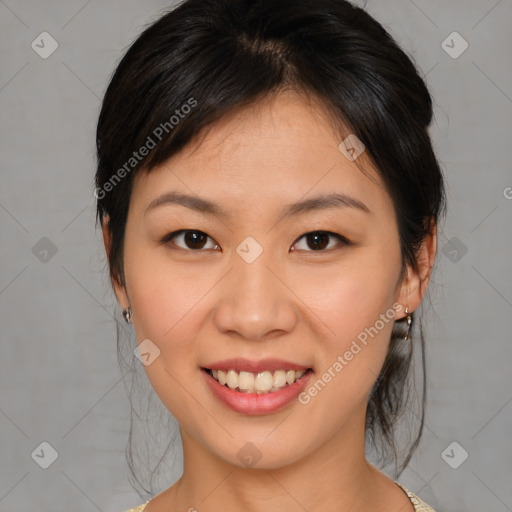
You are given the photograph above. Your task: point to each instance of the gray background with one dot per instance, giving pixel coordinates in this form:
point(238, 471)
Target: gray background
point(59, 379)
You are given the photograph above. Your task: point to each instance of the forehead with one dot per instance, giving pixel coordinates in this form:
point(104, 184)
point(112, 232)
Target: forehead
point(278, 150)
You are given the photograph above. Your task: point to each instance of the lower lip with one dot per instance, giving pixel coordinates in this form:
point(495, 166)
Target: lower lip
point(254, 403)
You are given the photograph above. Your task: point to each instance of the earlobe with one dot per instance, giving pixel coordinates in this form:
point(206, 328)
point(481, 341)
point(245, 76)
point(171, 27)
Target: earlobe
point(416, 282)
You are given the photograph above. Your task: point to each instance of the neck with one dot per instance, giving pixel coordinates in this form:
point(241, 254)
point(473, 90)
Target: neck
point(332, 476)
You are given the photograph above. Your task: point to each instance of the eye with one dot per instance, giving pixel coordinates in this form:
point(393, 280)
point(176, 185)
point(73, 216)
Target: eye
point(196, 240)
point(192, 238)
point(319, 240)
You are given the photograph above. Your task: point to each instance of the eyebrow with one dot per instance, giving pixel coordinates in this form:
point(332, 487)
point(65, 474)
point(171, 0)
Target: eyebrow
point(320, 202)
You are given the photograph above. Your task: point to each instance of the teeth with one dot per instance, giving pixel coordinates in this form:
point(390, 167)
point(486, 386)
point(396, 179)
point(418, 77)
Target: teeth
point(262, 382)
point(232, 379)
point(279, 378)
point(246, 381)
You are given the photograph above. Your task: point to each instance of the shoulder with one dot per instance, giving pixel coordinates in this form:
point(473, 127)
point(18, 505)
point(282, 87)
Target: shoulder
point(418, 504)
point(140, 508)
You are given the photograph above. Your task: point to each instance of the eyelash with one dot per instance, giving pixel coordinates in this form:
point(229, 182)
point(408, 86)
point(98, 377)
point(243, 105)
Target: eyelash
point(344, 241)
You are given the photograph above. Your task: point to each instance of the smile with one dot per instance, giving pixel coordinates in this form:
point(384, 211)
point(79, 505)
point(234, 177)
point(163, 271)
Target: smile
point(259, 383)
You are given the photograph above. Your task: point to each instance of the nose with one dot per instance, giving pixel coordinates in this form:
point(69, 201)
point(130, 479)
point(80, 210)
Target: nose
point(255, 302)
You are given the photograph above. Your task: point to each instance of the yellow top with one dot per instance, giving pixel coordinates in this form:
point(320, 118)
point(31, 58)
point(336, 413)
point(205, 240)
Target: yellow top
point(419, 505)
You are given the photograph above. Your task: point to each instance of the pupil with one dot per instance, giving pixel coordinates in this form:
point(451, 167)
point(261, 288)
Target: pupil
point(317, 240)
point(193, 238)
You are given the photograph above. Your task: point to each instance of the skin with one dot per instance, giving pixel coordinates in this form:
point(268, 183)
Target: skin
point(207, 304)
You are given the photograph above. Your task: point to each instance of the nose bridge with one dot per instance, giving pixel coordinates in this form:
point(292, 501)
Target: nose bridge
point(255, 302)
point(255, 282)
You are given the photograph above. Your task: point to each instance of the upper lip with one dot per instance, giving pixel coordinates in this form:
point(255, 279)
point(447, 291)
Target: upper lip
point(240, 364)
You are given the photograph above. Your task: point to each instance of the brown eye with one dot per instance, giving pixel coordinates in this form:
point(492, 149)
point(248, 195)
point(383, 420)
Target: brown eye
point(191, 239)
point(316, 241)
point(319, 240)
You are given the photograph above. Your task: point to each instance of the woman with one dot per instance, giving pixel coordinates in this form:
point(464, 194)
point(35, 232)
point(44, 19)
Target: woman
point(269, 200)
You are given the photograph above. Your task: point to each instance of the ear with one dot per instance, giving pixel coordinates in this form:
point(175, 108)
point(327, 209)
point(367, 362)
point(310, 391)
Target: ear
point(414, 286)
point(119, 289)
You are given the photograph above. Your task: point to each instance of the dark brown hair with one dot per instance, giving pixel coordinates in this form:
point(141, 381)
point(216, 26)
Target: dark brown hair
point(206, 58)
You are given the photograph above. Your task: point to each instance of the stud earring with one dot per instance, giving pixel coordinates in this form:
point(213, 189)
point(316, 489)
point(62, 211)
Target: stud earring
point(127, 314)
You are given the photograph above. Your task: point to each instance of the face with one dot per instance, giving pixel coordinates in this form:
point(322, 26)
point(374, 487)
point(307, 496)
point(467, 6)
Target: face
point(256, 281)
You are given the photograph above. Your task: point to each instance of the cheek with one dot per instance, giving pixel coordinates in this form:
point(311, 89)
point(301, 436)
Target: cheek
point(165, 299)
point(167, 311)
point(358, 309)
point(355, 302)
point(351, 295)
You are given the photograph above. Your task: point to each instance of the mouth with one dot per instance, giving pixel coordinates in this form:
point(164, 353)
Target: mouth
point(261, 383)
